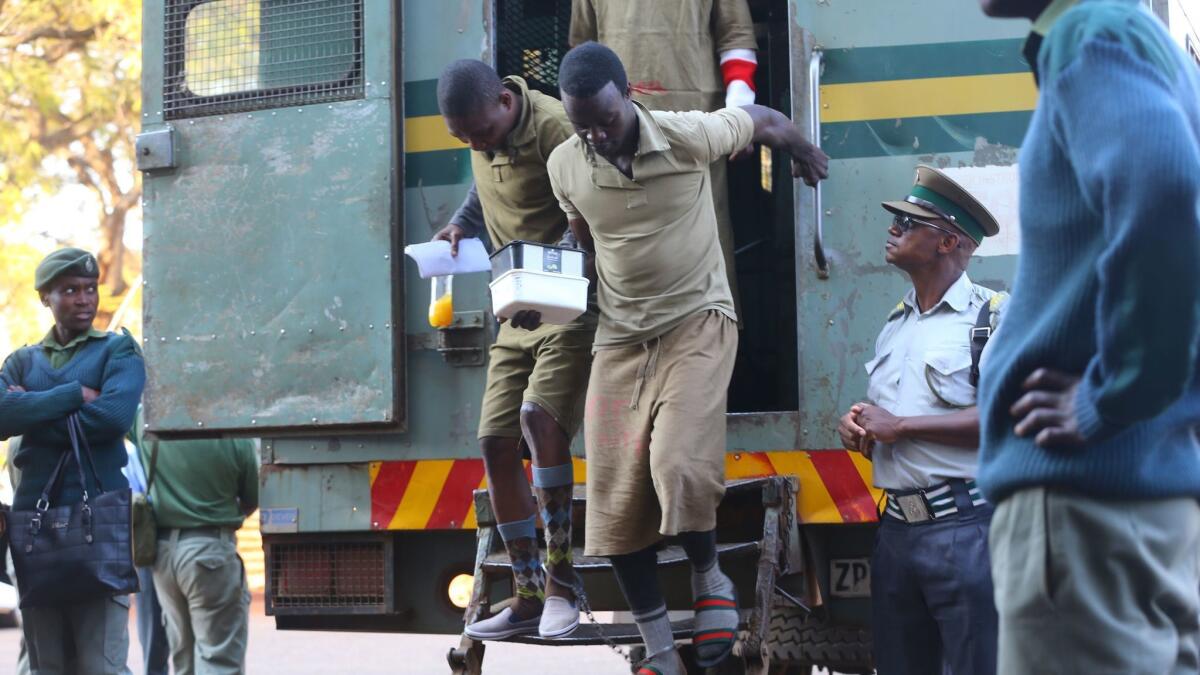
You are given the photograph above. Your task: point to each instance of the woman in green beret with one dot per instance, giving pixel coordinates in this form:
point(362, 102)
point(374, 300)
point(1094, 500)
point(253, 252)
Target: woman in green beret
point(99, 377)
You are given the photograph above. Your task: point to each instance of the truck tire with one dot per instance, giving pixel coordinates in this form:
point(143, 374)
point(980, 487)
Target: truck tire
point(812, 640)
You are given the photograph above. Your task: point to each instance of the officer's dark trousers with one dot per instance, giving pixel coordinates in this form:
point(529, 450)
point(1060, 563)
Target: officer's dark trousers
point(931, 593)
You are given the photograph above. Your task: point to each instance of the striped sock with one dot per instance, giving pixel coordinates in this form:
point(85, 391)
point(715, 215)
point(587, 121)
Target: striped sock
point(655, 628)
point(716, 624)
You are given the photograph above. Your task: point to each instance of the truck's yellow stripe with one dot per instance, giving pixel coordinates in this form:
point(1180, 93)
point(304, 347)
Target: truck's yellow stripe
point(422, 494)
point(427, 133)
point(815, 504)
point(928, 97)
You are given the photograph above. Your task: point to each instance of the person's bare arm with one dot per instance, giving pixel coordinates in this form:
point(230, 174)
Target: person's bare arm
point(959, 428)
point(774, 129)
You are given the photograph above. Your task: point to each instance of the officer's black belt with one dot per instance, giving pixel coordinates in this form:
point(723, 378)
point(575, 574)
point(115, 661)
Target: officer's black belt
point(932, 503)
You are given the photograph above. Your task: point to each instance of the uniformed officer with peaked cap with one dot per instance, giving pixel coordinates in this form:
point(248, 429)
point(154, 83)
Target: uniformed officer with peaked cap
point(930, 576)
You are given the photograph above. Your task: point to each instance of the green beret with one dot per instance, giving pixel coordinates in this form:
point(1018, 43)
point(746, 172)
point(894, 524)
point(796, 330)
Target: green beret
point(65, 261)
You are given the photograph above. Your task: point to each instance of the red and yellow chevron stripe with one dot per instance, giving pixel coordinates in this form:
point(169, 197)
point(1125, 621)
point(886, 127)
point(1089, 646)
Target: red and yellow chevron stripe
point(435, 494)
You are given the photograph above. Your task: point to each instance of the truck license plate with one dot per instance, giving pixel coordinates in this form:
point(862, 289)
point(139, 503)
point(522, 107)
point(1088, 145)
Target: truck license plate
point(850, 577)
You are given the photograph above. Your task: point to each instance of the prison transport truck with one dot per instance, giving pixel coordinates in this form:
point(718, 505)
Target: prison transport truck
point(291, 148)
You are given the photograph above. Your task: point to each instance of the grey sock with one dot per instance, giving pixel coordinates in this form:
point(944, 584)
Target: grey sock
point(655, 628)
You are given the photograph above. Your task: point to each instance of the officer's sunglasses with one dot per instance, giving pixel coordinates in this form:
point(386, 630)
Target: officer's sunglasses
point(905, 222)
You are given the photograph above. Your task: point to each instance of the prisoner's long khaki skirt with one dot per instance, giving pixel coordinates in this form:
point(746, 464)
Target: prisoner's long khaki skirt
point(654, 428)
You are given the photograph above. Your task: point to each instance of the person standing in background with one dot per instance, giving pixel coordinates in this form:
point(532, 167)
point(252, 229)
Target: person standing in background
point(98, 377)
point(681, 55)
point(152, 633)
point(202, 492)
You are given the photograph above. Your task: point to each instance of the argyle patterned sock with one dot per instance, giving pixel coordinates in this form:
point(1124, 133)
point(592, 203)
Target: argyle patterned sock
point(520, 539)
point(554, 487)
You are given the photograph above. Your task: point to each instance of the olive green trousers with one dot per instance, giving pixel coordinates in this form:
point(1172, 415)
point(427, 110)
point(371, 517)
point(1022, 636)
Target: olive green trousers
point(201, 586)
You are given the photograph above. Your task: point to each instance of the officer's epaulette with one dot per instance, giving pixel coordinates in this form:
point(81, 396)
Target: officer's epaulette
point(997, 301)
point(897, 311)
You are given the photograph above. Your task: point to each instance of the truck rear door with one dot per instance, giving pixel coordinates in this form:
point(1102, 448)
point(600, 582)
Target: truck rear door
point(269, 143)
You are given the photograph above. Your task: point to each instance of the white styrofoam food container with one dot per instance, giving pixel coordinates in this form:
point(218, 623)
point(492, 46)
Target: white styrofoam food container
point(559, 297)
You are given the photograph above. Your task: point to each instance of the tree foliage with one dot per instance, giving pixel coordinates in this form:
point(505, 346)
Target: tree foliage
point(71, 110)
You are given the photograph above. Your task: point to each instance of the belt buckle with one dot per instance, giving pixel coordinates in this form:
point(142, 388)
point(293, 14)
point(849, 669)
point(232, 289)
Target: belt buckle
point(982, 333)
point(914, 508)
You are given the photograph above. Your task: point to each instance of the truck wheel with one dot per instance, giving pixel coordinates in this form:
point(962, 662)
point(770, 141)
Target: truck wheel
point(805, 641)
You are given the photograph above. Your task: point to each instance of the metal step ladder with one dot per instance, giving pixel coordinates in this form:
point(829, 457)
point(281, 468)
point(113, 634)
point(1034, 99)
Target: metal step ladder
point(758, 543)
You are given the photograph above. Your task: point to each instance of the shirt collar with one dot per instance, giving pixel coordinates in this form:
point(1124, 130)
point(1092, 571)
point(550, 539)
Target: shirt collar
point(1041, 28)
point(650, 136)
point(957, 297)
point(526, 130)
point(50, 342)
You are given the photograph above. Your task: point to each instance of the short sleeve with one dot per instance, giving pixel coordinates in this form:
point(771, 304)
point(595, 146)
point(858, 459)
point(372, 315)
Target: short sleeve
point(557, 173)
point(707, 137)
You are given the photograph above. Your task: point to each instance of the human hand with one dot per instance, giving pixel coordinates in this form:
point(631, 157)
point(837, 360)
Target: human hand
point(89, 394)
point(879, 424)
point(744, 153)
point(16, 389)
point(451, 233)
point(1047, 410)
point(809, 163)
point(527, 318)
point(851, 433)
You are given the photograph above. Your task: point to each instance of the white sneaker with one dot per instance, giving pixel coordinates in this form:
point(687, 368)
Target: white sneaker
point(560, 617)
point(501, 626)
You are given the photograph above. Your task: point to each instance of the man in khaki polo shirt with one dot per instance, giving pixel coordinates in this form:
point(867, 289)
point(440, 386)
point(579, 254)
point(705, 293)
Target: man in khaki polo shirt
point(536, 373)
point(637, 193)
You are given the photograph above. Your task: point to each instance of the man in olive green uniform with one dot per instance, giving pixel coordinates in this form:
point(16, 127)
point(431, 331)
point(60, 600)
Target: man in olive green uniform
point(681, 55)
point(202, 492)
point(537, 374)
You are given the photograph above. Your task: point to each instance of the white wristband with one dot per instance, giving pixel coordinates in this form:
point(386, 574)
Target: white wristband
point(737, 94)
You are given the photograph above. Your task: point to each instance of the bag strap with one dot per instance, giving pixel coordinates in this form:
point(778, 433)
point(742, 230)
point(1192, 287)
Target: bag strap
point(83, 449)
point(43, 503)
point(981, 332)
point(153, 463)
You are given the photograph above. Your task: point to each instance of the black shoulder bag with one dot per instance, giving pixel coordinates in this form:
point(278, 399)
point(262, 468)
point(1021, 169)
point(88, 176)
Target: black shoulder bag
point(73, 553)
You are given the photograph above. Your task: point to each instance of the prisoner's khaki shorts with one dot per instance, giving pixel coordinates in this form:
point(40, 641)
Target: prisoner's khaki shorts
point(655, 435)
point(548, 367)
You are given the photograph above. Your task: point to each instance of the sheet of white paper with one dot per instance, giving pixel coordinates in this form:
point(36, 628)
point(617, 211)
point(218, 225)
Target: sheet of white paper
point(434, 260)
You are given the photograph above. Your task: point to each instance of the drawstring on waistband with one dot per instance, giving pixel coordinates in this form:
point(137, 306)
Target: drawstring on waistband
point(646, 370)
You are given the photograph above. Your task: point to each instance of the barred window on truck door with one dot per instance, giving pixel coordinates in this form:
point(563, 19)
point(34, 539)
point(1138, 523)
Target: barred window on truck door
point(227, 56)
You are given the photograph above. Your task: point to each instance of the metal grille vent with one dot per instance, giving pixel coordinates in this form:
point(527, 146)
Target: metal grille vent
point(345, 576)
point(531, 40)
point(225, 56)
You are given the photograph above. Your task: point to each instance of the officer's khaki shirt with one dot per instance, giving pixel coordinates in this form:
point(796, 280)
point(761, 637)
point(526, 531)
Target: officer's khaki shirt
point(658, 259)
point(670, 48)
point(922, 366)
point(513, 187)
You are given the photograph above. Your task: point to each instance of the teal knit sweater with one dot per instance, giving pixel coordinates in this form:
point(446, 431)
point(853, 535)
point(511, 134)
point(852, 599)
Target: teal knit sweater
point(113, 366)
point(1108, 278)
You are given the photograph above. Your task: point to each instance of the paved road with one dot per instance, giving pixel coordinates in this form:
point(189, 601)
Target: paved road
point(322, 653)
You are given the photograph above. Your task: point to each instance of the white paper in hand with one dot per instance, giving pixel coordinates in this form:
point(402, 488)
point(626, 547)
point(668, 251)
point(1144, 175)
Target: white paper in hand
point(434, 260)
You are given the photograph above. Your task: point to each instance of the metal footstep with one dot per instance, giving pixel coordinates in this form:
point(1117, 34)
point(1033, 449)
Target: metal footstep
point(758, 542)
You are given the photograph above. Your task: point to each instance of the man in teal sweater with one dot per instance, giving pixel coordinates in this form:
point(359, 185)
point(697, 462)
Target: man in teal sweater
point(1090, 398)
point(98, 377)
